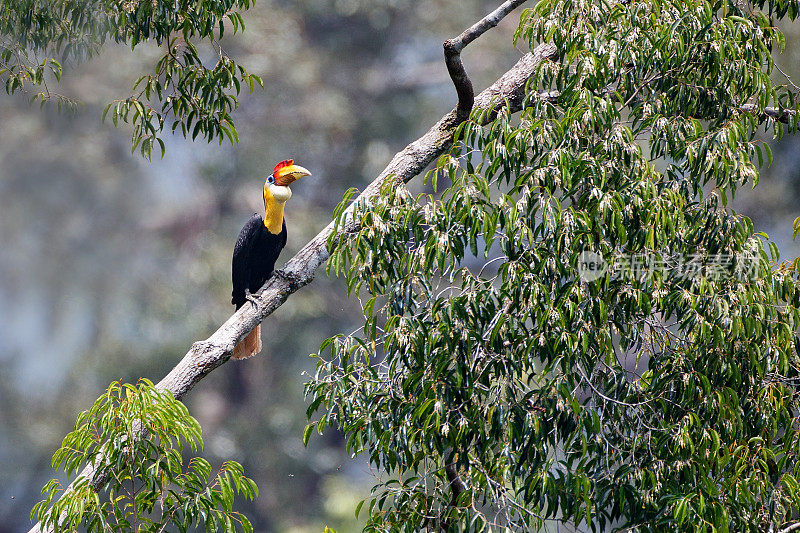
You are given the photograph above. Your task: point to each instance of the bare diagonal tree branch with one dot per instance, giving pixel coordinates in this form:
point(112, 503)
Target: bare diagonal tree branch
point(508, 92)
point(205, 356)
point(452, 54)
point(790, 528)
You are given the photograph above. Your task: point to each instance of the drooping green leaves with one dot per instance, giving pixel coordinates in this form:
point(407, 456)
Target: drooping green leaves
point(656, 392)
point(137, 433)
point(186, 90)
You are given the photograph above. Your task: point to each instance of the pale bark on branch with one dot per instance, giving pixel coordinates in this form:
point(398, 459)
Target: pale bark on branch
point(775, 113)
point(452, 55)
point(508, 92)
point(204, 356)
point(792, 528)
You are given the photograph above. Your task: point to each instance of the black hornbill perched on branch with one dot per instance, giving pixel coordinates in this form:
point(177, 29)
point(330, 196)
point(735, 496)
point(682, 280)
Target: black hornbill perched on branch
point(259, 244)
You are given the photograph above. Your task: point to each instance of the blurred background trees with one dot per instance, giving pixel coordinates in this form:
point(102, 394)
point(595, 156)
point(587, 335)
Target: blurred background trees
point(110, 265)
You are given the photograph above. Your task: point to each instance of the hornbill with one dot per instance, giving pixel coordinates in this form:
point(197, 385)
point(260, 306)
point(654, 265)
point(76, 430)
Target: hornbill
point(259, 244)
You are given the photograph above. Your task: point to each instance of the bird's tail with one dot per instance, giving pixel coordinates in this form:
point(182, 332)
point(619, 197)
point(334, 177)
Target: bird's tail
point(249, 346)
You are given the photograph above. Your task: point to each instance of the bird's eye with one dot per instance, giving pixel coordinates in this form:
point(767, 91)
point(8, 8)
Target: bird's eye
point(271, 179)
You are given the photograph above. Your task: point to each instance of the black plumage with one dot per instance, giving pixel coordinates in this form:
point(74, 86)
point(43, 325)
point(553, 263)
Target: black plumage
point(254, 257)
point(257, 247)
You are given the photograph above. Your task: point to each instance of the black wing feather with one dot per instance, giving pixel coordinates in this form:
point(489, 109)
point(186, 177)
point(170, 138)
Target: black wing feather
point(242, 262)
point(254, 257)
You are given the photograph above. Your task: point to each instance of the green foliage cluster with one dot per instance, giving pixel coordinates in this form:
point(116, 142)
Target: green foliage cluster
point(135, 435)
point(194, 91)
point(495, 387)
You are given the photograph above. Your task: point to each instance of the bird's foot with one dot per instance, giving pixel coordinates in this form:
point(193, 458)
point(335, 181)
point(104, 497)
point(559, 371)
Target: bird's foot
point(288, 277)
point(251, 298)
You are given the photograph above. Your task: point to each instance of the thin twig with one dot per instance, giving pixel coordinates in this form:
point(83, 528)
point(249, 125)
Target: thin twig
point(452, 54)
point(788, 78)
